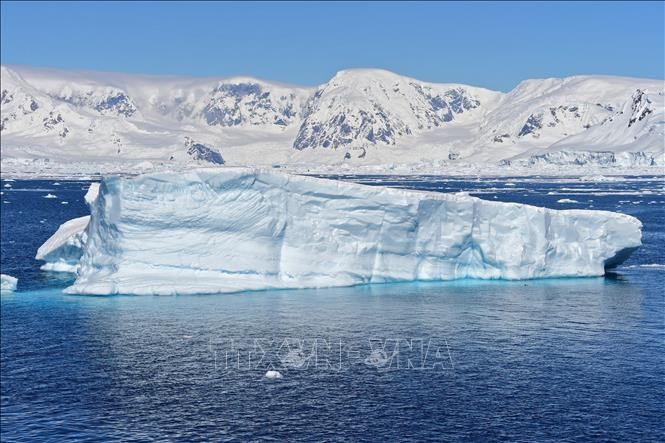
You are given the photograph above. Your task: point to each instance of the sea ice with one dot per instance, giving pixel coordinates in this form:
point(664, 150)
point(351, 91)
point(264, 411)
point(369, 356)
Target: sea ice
point(8, 283)
point(235, 229)
point(273, 374)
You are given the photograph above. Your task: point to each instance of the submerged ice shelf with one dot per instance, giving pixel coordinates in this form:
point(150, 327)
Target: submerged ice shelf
point(235, 229)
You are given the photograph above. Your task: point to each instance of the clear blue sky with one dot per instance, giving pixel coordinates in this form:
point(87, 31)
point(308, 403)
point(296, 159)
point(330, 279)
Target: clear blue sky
point(487, 44)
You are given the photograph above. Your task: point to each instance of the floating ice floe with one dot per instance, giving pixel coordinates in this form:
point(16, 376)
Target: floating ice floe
point(566, 200)
point(49, 195)
point(8, 283)
point(648, 266)
point(236, 229)
point(273, 374)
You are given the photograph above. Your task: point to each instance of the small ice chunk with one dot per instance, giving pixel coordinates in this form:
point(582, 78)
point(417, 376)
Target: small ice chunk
point(566, 200)
point(273, 374)
point(92, 193)
point(8, 283)
point(49, 195)
point(64, 203)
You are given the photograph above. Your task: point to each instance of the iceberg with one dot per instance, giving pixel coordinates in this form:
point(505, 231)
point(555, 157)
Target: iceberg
point(271, 374)
point(236, 229)
point(91, 195)
point(8, 283)
point(62, 251)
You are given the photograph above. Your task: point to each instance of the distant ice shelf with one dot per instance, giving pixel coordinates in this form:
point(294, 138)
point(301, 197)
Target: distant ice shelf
point(237, 229)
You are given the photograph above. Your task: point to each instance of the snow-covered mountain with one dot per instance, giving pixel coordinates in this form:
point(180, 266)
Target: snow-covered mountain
point(368, 106)
point(362, 119)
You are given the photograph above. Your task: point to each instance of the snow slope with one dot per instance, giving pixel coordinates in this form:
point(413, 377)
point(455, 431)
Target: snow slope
point(631, 136)
point(235, 229)
point(53, 121)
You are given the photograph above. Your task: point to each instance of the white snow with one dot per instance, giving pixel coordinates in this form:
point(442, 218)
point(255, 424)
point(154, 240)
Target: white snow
point(235, 229)
point(566, 200)
point(8, 283)
point(64, 123)
point(271, 374)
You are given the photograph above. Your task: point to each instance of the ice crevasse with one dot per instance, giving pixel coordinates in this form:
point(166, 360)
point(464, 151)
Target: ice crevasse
point(235, 229)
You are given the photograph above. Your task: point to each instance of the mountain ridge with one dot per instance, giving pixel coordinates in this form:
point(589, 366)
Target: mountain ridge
point(361, 117)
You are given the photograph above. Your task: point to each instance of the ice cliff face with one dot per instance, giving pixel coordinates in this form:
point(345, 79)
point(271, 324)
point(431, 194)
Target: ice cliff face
point(242, 229)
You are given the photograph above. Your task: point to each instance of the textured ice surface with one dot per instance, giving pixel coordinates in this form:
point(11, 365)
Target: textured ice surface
point(273, 374)
point(7, 283)
point(62, 251)
point(234, 229)
point(92, 193)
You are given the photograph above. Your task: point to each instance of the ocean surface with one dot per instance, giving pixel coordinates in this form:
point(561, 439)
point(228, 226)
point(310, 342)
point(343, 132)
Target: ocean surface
point(541, 360)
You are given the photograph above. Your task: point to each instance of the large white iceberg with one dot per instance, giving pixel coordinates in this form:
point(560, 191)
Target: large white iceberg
point(235, 229)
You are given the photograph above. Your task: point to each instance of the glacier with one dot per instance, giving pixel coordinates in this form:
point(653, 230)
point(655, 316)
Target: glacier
point(68, 123)
point(236, 229)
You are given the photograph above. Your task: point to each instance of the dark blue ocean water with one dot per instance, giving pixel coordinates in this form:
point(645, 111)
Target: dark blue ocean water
point(549, 360)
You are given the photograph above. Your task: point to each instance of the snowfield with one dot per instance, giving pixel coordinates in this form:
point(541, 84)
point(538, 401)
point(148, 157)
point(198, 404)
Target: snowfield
point(59, 123)
point(237, 229)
